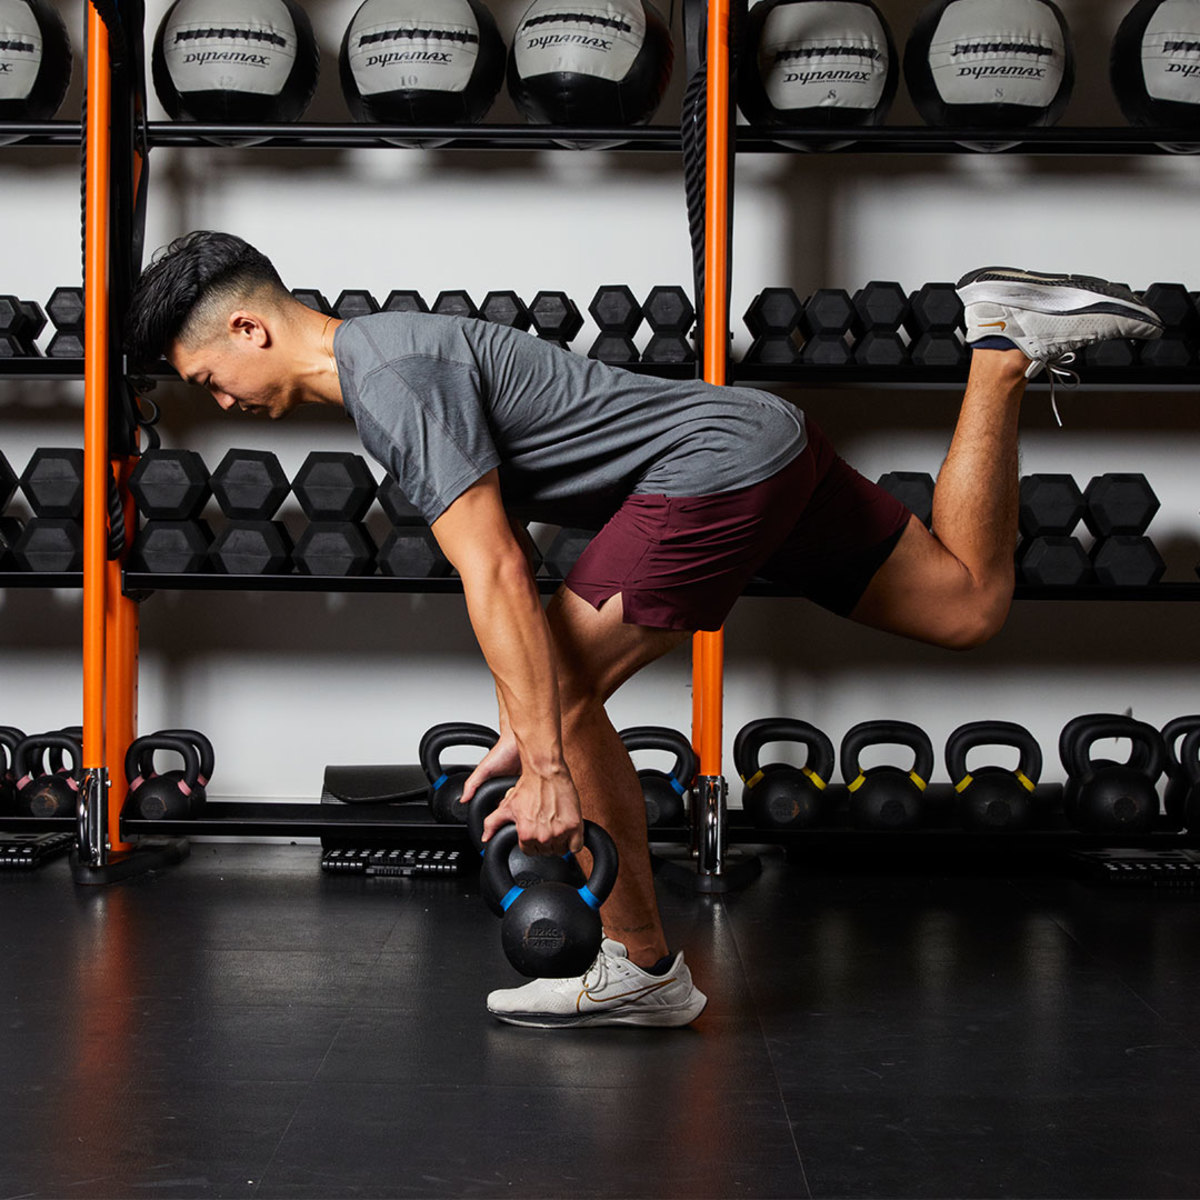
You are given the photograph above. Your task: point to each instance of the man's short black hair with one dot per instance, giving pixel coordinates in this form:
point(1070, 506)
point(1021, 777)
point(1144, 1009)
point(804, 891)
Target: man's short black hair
point(192, 270)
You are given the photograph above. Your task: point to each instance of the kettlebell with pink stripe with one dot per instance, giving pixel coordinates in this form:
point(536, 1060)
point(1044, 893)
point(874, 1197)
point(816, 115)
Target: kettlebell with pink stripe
point(168, 797)
point(47, 793)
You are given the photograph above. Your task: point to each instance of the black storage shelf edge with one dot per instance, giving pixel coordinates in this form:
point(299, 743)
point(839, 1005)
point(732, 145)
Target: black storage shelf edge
point(39, 133)
point(144, 581)
point(814, 375)
point(41, 368)
point(41, 579)
point(352, 136)
point(921, 139)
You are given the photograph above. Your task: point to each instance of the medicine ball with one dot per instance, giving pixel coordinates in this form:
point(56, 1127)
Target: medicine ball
point(605, 63)
point(993, 63)
point(1155, 63)
point(829, 64)
point(235, 60)
point(409, 62)
point(35, 60)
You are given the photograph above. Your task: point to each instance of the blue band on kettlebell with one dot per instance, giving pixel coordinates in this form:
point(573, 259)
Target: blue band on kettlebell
point(585, 894)
point(507, 899)
point(442, 780)
point(677, 785)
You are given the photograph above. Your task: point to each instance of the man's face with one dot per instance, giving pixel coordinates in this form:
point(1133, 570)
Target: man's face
point(238, 369)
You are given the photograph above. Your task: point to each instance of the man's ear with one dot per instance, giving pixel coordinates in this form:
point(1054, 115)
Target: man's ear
point(250, 327)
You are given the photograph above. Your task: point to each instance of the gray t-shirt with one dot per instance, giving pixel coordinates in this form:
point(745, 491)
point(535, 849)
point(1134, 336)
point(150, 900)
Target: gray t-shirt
point(439, 401)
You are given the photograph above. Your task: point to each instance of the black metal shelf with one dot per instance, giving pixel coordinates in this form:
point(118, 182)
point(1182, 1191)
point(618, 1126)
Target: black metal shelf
point(921, 139)
point(39, 133)
point(41, 579)
point(41, 368)
point(352, 136)
point(144, 581)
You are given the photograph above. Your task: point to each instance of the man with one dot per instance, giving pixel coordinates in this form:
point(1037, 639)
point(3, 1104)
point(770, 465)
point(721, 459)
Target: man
point(695, 490)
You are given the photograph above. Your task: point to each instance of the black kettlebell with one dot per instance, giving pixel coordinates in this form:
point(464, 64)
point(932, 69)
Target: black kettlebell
point(886, 797)
point(1189, 763)
point(208, 762)
point(551, 930)
point(994, 798)
point(527, 870)
point(664, 790)
point(10, 738)
point(1178, 785)
point(48, 793)
point(1109, 796)
point(166, 797)
point(446, 782)
point(779, 795)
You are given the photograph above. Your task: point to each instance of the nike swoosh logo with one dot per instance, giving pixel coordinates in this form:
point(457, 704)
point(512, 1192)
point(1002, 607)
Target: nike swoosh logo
point(1001, 325)
point(631, 996)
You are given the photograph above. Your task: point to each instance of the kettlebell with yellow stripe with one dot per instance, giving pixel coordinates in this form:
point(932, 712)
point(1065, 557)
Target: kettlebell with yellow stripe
point(886, 797)
point(993, 798)
point(779, 795)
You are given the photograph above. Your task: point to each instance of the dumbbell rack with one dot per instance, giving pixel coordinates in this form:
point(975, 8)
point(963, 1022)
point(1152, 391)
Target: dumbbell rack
point(110, 621)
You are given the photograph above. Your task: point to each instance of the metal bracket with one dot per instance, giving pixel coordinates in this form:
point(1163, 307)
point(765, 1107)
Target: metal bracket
point(93, 818)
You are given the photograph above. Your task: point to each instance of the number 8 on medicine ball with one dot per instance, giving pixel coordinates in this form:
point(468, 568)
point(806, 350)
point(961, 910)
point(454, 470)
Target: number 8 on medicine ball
point(1155, 63)
point(824, 63)
point(235, 60)
point(605, 63)
point(1002, 64)
point(415, 63)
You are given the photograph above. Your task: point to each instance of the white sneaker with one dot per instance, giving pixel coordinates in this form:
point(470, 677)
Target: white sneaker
point(613, 991)
point(1049, 317)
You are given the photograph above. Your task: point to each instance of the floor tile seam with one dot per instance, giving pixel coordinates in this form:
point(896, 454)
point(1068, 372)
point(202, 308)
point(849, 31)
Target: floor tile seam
point(283, 1133)
point(777, 1090)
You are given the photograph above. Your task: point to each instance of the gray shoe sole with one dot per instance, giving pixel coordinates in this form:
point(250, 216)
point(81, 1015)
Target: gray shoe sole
point(647, 1018)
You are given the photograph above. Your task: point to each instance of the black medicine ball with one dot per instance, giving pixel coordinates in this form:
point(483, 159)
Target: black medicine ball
point(235, 60)
point(410, 62)
point(828, 64)
point(1155, 63)
point(999, 63)
point(605, 62)
point(35, 60)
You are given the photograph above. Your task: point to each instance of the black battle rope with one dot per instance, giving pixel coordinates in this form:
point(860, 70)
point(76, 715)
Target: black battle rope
point(693, 137)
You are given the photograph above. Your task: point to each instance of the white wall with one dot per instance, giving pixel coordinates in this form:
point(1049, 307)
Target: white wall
point(286, 683)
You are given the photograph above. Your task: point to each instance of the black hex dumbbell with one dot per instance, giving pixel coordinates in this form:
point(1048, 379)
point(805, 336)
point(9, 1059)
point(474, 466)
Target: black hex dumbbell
point(618, 315)
point(170, 484)
point(826, 321)
point(773, 319)
point(314, 299)
point(1181, 327)
point(1049, 504)
point(355, 302)
point(1053, 561)
point(65, 310)
point(171, 547)
point(20, 323)
point(670, 314)
point(335, 489)
point(565, 548)
point(505, 308)
point(881, 309)
point(911, 488)
point(935, 318)
point(52, 481)
point(249, 486)
point(555, 317)
point(393, 501)
point(1127, 560)
point(8, 482)
point(455, 304)
point(405, 300)
point(1119, 502)
point(412, 552)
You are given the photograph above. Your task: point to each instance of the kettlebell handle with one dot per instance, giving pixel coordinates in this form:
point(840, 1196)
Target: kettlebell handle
point(498, 877)
point(660, 737)
point(993, 733)
point(203, 746)
point(486, 800)
point(440, 738)
point(1189, 757)
point(28, 748)
point(140, 755)
point(751, 738)
point(1148, 750)
point(887, 733)
point(1172, 731)
point(10, 738)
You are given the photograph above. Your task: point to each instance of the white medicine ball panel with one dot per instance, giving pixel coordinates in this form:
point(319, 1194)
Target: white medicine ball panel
point(990, 62)
point(601, 40)
point(229, 60)
point(413, 62)
point(35, 60)
point(1155, 63)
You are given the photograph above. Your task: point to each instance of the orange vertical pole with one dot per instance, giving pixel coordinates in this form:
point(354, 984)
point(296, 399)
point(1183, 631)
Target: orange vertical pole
point(708, 649)
point(96, 362)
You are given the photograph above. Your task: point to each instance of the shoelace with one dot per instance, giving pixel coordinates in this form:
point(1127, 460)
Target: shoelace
point(1055, 369)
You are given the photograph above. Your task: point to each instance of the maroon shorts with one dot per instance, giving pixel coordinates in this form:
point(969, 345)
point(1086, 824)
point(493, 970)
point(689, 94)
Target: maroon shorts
point(816, 526)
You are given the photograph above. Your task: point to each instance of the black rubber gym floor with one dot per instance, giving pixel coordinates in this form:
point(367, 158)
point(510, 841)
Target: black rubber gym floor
point(244, 1025)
